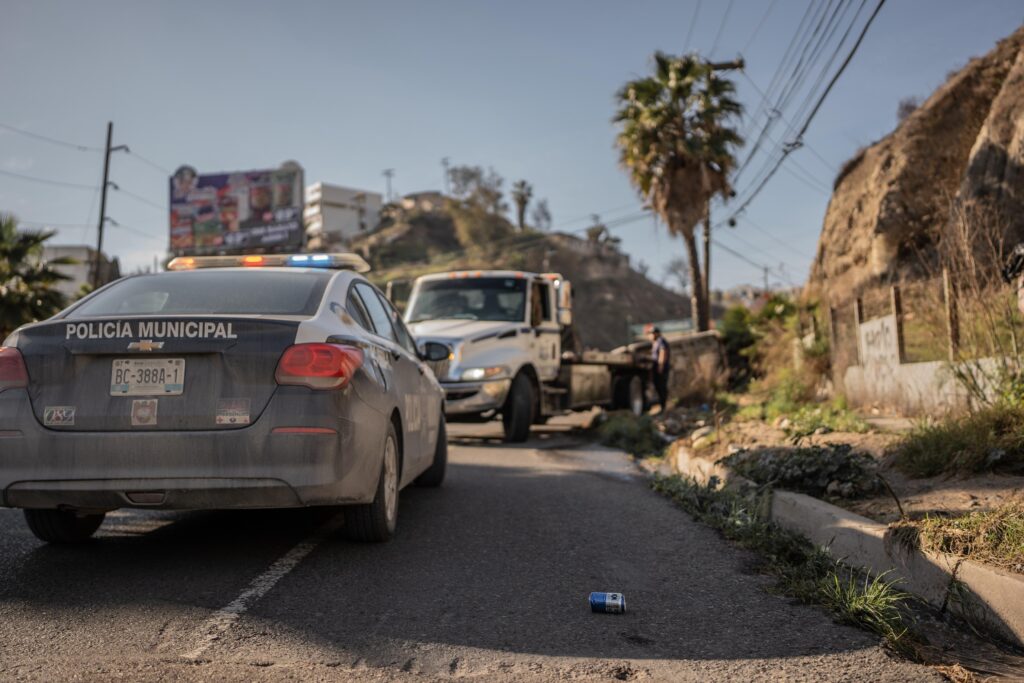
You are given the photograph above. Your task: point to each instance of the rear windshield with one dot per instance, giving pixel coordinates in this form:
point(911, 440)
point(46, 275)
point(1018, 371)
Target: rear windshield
point(213, 292)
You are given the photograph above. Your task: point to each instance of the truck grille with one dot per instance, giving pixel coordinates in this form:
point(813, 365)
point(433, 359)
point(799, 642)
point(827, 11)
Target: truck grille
point(439, 368)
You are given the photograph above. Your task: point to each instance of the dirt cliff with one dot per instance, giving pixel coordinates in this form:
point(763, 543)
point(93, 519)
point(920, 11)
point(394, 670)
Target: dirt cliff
point(964, 143)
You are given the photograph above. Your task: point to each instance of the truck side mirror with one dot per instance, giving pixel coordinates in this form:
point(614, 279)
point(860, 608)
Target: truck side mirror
point(433, 351)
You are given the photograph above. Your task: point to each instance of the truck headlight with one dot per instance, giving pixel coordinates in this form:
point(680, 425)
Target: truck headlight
point(478, 374)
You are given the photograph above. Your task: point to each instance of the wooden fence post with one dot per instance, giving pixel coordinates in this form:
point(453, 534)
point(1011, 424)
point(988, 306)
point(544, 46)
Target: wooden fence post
point(858, 318)
point(897, 312)
point(952, 321)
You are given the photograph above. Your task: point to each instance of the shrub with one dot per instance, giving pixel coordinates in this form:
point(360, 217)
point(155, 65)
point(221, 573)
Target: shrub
point(990, 439)
point(635, 435)
point(815, 470)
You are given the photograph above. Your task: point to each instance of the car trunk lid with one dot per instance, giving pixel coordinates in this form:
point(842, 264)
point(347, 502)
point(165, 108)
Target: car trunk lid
point(156, 373)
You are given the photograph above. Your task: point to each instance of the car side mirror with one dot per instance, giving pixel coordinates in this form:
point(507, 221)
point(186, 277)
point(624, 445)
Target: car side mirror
point(433, 351)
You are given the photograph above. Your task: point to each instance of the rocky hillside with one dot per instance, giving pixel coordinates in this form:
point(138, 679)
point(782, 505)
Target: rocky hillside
point(609, 293)
point(965, 143)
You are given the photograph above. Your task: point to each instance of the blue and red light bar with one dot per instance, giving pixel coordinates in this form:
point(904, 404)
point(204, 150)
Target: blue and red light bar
point(334, 260)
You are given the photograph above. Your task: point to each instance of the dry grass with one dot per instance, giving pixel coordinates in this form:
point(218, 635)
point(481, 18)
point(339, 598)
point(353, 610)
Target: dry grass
point(995, 537)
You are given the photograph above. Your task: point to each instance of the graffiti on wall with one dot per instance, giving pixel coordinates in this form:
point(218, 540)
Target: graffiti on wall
point(878, 342)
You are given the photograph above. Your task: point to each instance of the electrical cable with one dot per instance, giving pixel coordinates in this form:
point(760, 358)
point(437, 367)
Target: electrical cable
point(721, 27)
point(693, 22)
point(53, 141)
point(814, 112)
point(47, 181)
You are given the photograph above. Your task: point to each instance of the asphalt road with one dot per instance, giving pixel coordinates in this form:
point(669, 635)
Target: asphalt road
point(487, 579)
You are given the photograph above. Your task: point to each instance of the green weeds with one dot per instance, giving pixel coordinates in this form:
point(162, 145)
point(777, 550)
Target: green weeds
point(802, 571)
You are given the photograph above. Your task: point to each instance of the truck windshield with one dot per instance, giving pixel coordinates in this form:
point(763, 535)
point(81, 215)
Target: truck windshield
point(482, 298)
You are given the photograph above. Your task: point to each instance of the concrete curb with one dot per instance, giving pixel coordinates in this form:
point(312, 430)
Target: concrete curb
point(982, 595)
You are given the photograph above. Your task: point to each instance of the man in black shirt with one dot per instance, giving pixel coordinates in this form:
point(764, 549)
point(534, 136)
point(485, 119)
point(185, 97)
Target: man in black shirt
point(661, 365)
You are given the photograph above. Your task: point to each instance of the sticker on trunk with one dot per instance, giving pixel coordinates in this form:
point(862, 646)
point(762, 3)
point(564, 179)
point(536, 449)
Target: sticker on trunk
point(233, 411)
point(59, 416)
point(144, 412)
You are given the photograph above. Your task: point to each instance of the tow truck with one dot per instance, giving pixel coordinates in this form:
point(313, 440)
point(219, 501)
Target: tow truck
point(514, 352)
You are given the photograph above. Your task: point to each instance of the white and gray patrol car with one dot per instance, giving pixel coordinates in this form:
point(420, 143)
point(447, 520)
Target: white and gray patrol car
point(268, 381)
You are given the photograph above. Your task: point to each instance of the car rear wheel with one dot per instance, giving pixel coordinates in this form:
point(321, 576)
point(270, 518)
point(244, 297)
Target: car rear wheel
point(434, 475)
point(519, 410)
point(62, 526)
point(376, 521)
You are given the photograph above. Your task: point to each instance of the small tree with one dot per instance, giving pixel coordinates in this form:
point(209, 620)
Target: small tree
point(906, 107)
point(541, 215)
point(27, 282)
point(522, 193)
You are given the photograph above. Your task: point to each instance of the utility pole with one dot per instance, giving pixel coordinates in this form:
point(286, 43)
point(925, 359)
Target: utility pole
point(766, 279)
point(447, 177)
point(389, 173)
point(96, 275)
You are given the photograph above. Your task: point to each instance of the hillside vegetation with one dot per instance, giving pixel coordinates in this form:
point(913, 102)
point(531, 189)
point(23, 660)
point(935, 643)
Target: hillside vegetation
point(609, 293)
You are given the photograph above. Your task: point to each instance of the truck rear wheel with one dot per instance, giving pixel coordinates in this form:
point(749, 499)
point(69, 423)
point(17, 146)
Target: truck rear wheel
point(518, 413)
point(629, 394)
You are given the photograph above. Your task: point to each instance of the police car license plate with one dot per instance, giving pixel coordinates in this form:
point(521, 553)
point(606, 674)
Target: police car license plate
point(147, 377)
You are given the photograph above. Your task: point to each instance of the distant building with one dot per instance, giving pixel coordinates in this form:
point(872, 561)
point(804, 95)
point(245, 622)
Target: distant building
point(334, 215)
point(80, 271)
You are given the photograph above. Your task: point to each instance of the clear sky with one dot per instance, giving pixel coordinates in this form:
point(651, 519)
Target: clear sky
point(348, 89)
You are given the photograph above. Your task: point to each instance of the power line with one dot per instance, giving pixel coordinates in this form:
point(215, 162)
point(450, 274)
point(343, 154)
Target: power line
point(721, 27)
point(788, 122)
point(760, 23)
point(693, 22)
point(787, 87)
point(53, 141)
point(140, 198)
point(788, 149)
point(152, 164)
point(47, 181)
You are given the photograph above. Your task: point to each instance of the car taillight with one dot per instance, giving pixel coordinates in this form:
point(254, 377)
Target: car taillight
point(318, 366)
point(13, 374)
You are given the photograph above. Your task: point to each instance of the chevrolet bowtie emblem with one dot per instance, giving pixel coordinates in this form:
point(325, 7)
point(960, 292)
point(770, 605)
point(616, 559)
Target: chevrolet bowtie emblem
point(145, 345)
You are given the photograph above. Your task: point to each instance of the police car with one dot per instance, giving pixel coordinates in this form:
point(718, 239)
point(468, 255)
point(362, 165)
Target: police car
point(259, 381)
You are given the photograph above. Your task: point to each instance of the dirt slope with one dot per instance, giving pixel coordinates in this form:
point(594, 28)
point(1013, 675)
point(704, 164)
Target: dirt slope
point(965, 141)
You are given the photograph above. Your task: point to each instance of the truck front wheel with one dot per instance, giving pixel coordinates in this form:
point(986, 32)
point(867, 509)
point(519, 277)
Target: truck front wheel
point(517, 415)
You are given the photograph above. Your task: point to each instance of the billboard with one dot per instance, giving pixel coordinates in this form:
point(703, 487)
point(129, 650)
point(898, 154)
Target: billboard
point(221, 213)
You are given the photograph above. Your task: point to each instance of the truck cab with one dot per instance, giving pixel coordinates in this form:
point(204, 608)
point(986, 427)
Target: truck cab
point(513, 351)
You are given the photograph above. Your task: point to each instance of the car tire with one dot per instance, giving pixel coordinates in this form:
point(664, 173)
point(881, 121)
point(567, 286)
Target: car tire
point(518, 413)
point(376, 522)
point(62, 526)
point(434, 475)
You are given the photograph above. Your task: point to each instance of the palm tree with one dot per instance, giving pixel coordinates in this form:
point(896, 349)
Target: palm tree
point(522, 193)
point(27, 291)
point(676, 144)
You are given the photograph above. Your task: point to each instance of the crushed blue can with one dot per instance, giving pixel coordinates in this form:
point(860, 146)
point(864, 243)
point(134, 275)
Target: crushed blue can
point(608, 603)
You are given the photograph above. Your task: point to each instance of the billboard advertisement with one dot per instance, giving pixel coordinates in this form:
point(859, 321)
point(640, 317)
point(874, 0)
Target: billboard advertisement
point(223, 213)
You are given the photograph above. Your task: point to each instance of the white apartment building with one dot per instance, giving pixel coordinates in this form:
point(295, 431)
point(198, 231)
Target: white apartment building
point(333, 214)
point(79, 272)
